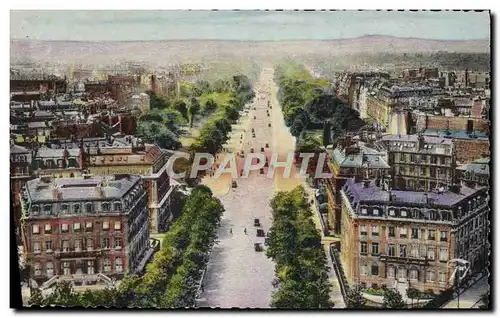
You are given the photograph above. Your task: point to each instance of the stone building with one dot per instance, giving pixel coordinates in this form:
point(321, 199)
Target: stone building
point(392, 238)
point(351, 159)
point(420, 163)
point(84, 229)
point(476, 173)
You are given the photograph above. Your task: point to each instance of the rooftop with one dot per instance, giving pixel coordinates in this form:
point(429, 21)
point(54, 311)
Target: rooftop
point(360, 193)
point(480, 166)
point(455, 134)
point(369, 156)
point(74, 189)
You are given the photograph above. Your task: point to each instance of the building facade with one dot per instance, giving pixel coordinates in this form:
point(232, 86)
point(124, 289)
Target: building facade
point(401, 237)
point(76, 229)
point(420, 163)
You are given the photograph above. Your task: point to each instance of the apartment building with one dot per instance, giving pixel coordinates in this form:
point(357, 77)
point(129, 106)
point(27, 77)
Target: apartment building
point(351, 159)
point(80, 229)
point(420, 163)
point(403, 237)
point(476, 173)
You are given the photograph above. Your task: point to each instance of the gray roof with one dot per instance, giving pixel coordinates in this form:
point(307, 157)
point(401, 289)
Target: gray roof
point(480, 166)
point(71, 189)
point(18, 149)
point(414, 138)
point(373, 158)
point(56, 153)
point(361, 193)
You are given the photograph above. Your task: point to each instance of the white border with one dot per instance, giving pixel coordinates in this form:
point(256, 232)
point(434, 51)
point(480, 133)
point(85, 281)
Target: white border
point(186, 4)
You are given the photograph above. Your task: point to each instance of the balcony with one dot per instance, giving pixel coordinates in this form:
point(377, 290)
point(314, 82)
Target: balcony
point(78, 253)
point(404, 260)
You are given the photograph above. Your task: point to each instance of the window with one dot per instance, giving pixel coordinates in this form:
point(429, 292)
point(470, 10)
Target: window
point(391, 250)
point(402, 250)
point(364, 211)
point(430, 276)
point(442, 277)
point(107, 265)
point(118, 265)
point(88, 226)
point(364, 248)
point(403, 232)
point(431, 253)
point(78, 245)
point(36, 247)
point(65, 246)
point(76, 227)
point(392, 212)
point(35, 209)
point(90, 244)
point(391, 271)
point(374, 230)
point(118, 243)
point(105, 225)
point(443, 254)
point(413, 274)
point(66, 269)
point(363, 230)
point(375, 249)
point(38, 269)
point(118, 225)
point(64, 228)
point(49, 269)
point(414, 251)
point(443, 236)
point(64, 208)
point(363, 270)
point(414, 234)
point(90, 267)
point(392, 232)
point(404, 213)
point(105, 242)
point(117, 206)
point(402, 273)
point(88, 207)
point(47, 209)
point(36, 229)
point(48, 246)
point(105, 207)
point(48, 228)
point(432, 235)
point(375, 212)
point(374, 269)
point(76, 208)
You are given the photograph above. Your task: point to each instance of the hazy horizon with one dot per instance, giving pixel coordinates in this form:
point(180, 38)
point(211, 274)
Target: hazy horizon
point(259, 26)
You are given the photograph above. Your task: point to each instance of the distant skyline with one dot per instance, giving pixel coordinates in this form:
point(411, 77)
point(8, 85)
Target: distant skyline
point(244, 25)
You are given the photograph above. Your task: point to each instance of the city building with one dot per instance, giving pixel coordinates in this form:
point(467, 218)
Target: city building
point(20, 173)
point(351, 159)
point(392, 237)
point(84, 229)
point(420, 163)
point(476, 173)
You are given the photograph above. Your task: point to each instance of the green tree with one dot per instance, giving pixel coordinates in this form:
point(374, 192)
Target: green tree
point(355, 297)
point(393, 299)
point(194, 109)
point(321, 110)
point(181, 107)
point(210, 106)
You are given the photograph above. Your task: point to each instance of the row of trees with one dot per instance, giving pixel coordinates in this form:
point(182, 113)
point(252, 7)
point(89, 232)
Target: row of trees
point(214, 132)
point(295, 246)
point(172, 278)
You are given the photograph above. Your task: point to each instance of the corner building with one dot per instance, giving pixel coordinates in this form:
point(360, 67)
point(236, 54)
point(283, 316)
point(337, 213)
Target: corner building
point(403, 237)
point(85, 229)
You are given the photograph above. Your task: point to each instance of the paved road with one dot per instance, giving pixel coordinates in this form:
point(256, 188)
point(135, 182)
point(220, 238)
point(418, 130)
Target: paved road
point(237, 276)
point(470, 296)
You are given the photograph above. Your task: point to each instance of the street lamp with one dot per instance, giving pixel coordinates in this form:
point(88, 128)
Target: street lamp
point(460, 271)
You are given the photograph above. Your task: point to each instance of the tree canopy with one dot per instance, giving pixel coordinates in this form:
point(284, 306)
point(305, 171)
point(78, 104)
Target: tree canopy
point(295, 247)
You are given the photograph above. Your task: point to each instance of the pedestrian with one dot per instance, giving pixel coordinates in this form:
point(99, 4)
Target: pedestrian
point(230, 231)
point(202, 288)
point(245, 231)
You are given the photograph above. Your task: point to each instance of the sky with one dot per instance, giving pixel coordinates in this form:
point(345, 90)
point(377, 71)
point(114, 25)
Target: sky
point(244, 25)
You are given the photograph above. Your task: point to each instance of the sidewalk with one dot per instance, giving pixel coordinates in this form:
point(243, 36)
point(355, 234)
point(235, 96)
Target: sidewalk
point(336, 294)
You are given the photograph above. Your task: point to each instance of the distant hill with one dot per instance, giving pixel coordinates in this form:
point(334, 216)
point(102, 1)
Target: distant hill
point(165, 52)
